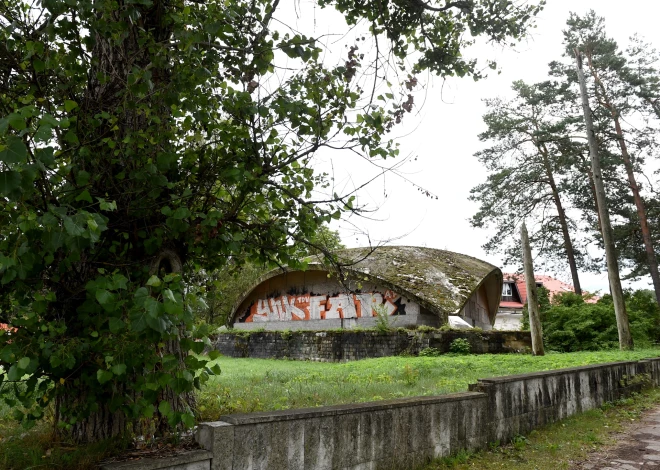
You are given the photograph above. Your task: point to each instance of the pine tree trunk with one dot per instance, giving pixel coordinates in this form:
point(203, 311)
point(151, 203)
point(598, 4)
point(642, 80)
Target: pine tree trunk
point(568, 244)
point(651, 258)
point(641, 211)
point(623, 326)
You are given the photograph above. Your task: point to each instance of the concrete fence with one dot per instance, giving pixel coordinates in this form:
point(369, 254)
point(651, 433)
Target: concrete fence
point(347, 345)
point(406, 433)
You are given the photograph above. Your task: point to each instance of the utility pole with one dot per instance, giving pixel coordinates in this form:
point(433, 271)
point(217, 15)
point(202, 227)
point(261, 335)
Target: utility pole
point(532, 296)
point(625, 338)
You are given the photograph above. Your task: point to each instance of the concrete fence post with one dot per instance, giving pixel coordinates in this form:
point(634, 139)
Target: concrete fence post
point(218, 438)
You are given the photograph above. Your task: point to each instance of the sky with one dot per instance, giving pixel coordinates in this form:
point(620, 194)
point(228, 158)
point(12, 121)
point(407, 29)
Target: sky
point(440, 137)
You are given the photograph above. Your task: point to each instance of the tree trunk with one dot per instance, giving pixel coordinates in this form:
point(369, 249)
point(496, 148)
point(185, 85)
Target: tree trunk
point(623, 326)
point(641, 211)
point(113, 61)
point(568, 244)
point(532, 295)
point(634, 187)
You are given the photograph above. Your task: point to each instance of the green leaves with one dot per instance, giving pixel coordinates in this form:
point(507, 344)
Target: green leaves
point(9, 182)
point(15, 151)
point(70, 105)
point(103, 376)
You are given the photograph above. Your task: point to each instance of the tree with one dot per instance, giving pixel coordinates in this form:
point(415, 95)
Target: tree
point(611, 78)
point(531, 158)
point(625, 338)
point(142, 141)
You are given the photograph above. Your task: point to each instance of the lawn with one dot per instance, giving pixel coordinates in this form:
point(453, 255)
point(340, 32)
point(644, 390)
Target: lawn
point(247, 385)
point(256, 385)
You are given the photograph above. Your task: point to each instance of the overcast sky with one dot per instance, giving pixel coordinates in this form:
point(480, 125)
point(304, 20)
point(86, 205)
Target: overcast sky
point(443, 136)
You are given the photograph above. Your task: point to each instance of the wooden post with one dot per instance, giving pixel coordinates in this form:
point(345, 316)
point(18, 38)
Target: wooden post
point(532, 296)
point(625, 338)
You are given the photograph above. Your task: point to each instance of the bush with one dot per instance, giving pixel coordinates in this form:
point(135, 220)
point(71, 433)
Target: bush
point(430, 352)
point(571, 324)
point(460, 346)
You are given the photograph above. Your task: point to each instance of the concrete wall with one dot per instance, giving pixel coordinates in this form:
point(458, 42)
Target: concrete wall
point(406, 433)
point(475, 311)
point(330, 346)
point(313, 299)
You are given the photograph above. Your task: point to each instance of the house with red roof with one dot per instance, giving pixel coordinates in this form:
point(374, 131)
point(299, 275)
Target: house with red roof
point(514, 298)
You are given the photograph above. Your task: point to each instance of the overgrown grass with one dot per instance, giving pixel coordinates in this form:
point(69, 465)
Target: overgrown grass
point(247, 385)
point(255, 385)
point(560, 445)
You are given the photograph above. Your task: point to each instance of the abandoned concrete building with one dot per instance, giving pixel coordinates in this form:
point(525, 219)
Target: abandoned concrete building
point(401, 285)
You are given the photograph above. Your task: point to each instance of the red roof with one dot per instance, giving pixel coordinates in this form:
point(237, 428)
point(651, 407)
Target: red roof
point(554, 286)
point(505, 304)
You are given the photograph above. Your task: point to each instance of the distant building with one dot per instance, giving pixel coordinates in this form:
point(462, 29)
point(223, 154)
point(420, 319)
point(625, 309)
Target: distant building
point(514, 298)
point(403, 285)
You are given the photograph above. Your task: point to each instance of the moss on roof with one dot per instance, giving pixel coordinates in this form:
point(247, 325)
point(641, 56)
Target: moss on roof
point(443, 280)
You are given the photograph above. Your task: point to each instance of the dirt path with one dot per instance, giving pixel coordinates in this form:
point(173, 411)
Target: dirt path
point(637, 448)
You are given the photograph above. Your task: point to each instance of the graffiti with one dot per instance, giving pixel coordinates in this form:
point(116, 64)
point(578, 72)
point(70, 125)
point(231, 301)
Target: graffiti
point(324, 307)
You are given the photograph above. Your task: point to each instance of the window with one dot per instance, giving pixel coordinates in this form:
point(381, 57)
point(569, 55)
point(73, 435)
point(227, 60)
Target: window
point(506, 290)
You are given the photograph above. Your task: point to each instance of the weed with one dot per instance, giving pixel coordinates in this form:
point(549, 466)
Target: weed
point(383, 322)
point(460, 346)
point(430, 352)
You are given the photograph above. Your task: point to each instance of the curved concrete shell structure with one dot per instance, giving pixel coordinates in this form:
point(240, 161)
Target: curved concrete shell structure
point(401, 285)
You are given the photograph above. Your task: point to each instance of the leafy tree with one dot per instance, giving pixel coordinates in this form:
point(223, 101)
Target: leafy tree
point(142, 141)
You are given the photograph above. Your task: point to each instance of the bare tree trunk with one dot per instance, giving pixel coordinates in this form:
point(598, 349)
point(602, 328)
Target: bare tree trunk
point(634, 187)
point(623, 326)
point(532, 296)
point(568, 244)
point(641, 212)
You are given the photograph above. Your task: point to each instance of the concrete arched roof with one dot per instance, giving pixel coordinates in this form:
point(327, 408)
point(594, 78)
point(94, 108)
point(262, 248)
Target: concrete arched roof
point(439, 280)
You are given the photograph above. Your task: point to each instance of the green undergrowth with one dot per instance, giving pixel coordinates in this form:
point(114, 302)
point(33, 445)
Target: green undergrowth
point(37, 448)
point(560, 445)
point(247, 385)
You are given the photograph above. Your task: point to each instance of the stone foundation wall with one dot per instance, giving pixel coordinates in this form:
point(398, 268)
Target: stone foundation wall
point(331, 346)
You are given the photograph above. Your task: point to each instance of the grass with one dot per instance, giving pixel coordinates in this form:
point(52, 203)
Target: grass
point(247, 385)
point(560, 445)
point(255, 385)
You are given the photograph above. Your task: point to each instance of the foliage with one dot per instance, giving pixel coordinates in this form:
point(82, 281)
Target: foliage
point(571, 324)
point(460, 346)
point(531, 163)
point(538, 162)
point(430, 352)
point(544, 305)
point(384, 322)
point(143, 141)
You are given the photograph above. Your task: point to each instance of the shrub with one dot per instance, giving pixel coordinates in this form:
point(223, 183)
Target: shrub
point(571, 324)
point(430, 352)
point(460, 346)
